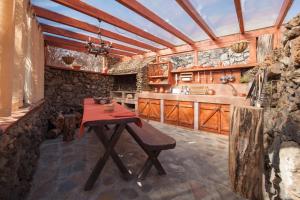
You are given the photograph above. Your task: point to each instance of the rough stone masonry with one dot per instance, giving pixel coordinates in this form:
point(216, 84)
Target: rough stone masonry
point(282, 119)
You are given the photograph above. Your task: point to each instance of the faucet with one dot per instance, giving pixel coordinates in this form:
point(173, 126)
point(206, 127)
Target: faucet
point(234, 91)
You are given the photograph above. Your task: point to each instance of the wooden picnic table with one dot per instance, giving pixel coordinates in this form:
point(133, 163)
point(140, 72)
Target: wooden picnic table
point(95, 116)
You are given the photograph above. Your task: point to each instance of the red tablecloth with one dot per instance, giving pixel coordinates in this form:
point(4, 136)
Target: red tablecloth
point(96, 112)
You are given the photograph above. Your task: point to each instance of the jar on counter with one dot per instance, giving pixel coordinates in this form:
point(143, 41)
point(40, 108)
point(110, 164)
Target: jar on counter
point(161, 90)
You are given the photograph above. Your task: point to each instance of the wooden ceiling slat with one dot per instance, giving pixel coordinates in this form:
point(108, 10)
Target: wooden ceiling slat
point(80, 45)
point(99, 14)
point(73, 48)
point(151, 16)
point(283, 12)
point(192, 12)
point(239, 13)
point(53, 16)
point(78, 36)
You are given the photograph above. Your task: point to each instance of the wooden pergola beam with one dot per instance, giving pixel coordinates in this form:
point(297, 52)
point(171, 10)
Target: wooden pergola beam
point(81, 45)
point(239, 14)
point(73, 48)
point(78, 36)
point(87, 9)
point(151, 16)
point(192, 12)
point(283, 12)
point(53, 16)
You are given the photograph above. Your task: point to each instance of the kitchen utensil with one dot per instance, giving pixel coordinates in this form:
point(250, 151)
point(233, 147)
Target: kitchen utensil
point(210, 92)
point(161, 90)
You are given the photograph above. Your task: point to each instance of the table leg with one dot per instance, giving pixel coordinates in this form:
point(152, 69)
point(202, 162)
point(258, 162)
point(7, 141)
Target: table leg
point(103, 138)
point(101, 162)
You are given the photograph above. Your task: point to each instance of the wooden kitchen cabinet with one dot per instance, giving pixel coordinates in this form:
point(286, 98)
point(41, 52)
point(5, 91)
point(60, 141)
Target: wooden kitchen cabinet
point(143, 107)
point(225, 119)
point(179, 113)
point(154, 109)
point(214, 118)
point(186, 114)
point(171, 112)
point(149, 108)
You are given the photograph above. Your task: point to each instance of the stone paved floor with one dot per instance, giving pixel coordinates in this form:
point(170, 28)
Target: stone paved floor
point(196, 169)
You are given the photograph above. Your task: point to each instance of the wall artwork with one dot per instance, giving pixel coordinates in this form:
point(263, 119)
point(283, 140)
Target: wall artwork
point(222, 56)
point(185, 60)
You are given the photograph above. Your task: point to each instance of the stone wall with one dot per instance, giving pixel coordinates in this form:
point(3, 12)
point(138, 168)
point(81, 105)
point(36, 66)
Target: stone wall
point(66, 89)
point(134, 66)
point(87, 62)
point(19, 151)
point(282, 119)
point(214, 57)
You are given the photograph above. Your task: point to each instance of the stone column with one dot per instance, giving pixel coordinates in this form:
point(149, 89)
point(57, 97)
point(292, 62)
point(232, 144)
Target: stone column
point(28, 61)
point(19, 59)
point(7, 29)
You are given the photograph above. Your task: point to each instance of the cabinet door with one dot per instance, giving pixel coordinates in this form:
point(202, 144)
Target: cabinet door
point(171, 112)
point(143, 107)
point(209, 117)
point(154, 109)
point(225, 119)
point(186, 114)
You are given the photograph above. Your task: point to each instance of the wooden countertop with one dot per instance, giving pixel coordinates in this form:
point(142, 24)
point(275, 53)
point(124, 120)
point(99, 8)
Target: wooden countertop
point(235, 100)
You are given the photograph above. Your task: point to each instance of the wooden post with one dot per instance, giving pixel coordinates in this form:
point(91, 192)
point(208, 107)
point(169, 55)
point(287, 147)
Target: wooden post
point(246, 151)
point(69, 127)
point(264, 46)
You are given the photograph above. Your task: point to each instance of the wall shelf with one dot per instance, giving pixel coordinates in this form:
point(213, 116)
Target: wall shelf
point(159, 83)
point(240, 66)
point(158, 76)
point(120, 96)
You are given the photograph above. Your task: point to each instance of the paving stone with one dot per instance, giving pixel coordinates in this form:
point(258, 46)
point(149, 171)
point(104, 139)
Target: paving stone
point(109, 180)
point(128, 193)
point(108, 195)
point(196, 169)
point(66, 186)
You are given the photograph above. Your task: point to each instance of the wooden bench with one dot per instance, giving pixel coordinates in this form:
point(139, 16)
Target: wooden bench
point(152, 142)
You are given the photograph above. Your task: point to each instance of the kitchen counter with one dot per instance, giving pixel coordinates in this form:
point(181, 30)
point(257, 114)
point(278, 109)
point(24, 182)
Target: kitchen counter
point(233, 100)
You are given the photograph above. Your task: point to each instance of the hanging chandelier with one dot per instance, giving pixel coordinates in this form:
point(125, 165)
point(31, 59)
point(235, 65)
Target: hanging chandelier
point(102, 48)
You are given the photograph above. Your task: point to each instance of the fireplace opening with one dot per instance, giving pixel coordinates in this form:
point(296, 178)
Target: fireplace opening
point(124, 90)
point(125, 82)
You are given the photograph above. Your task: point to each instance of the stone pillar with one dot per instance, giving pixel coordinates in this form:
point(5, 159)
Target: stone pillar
point(7, 29)
point(162, 110)
point(196, 115)
point(28, 61)
point(19, 58)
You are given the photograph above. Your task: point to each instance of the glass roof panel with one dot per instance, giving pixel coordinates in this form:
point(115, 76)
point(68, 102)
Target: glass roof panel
point(260, 13)
point(70, 28)
point(294, 10)
point(170, 11)
point(47, 4)
point(118, 10)
point(220, 15)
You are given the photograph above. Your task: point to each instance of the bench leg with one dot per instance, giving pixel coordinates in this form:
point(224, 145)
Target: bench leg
point(145, 169)
point(153, 156)
point(103, 138)
point(152, 160)
point(101, 162)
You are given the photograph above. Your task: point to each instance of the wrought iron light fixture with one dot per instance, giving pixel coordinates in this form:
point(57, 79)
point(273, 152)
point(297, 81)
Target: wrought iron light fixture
point(102, 48)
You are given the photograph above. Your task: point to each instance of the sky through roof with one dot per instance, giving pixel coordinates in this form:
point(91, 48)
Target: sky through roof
point(220, 15)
